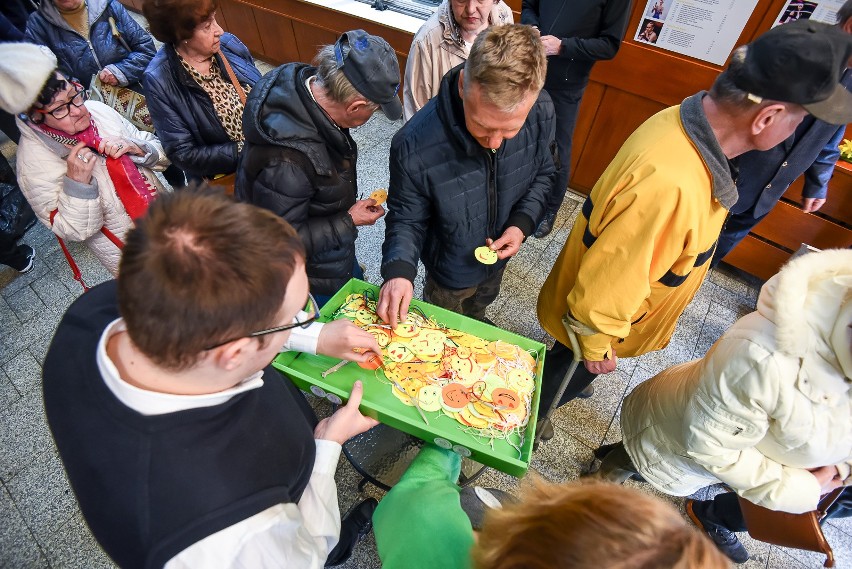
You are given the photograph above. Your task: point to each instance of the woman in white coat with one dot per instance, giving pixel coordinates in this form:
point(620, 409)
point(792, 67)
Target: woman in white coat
point(83, 167)
point(768, 410)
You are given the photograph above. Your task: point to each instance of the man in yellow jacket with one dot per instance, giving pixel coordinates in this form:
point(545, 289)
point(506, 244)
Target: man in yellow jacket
point(640, 250)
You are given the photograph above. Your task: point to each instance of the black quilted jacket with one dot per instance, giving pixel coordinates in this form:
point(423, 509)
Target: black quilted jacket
point(448, 194)
point(299, 164)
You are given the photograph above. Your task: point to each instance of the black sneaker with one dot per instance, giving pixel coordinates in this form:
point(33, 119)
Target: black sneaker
point(546, 226)
point(547, 432)
point(29, 253)
point(356, 524)
point(725, 540)
point(587, 393)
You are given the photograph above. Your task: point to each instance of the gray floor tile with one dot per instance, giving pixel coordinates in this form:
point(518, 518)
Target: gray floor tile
point(24, 372)
point(72, 546)
point(43, 496)
point(54, 292)
point(24, 435)
point(778, 559)
point(18, 547)
point(8, 393)
point(840, 544)
point(25, 304)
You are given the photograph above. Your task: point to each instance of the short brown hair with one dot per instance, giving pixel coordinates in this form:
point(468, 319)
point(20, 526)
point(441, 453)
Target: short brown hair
point(591, 524)
point(200, 269)
point(507, 62)
point(172, 21)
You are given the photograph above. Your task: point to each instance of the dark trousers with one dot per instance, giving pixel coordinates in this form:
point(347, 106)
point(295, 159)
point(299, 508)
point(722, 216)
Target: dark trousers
point(724, 510)
point(736, 228)
point(471, 301)
point(566, 102)
point(556, 364)
point(9, 126)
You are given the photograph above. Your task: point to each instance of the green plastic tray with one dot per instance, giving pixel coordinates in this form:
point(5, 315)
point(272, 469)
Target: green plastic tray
point(378, 401)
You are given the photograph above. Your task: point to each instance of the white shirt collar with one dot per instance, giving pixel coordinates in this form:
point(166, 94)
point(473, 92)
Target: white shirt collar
point(152, 402)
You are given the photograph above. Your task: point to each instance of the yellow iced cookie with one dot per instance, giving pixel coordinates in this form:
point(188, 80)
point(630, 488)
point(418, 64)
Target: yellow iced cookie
point(380, 195)
point(485, 255)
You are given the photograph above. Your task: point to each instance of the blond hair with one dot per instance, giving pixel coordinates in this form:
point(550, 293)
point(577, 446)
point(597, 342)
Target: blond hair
point(591, 524)
point(507, 62)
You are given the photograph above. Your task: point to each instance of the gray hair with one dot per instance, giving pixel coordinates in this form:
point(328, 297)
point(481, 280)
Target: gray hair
point(725, 91)
point(331, 78)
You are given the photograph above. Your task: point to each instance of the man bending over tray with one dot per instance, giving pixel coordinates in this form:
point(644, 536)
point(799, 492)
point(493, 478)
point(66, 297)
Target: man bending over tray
point(470, 170)
point(184, 447)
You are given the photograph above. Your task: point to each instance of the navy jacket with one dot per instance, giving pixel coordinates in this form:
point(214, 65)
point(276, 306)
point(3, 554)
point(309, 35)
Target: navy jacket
point(448, 194)
point(183, 114)
point(299, 164)
point(83, 57)
point(590, 30)
point(812, 150)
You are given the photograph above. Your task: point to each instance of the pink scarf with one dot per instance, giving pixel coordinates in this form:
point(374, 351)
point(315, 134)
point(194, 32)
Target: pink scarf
point(131, 187)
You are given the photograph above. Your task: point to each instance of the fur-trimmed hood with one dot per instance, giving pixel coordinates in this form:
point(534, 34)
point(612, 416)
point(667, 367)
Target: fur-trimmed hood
point(810, 303)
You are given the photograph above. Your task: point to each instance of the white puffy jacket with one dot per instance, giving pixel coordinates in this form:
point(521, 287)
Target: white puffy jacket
point(770, 400)
point(82, 209)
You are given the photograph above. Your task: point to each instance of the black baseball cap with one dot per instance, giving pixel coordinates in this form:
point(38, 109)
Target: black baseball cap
point(372, 68)
point(800, 62)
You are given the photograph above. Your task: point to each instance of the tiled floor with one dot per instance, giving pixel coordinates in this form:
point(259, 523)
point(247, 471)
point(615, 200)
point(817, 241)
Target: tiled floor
point(42, 526)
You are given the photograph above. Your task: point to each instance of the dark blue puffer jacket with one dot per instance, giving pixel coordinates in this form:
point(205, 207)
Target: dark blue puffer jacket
point(448, 194)
point(84, 57)
point(183, 114)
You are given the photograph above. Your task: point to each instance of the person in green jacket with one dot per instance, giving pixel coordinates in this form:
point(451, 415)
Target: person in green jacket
point(421, 524)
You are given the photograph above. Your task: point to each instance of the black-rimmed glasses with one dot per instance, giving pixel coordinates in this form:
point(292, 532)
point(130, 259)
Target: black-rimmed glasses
point(311, 309)
point(63, 111)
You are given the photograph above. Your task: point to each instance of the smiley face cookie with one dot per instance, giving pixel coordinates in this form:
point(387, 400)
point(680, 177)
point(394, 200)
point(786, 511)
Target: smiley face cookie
point(380, 195)
point(485, 255)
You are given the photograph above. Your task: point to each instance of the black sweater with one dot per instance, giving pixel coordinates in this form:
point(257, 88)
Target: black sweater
point(590, 30)
point(150, 486)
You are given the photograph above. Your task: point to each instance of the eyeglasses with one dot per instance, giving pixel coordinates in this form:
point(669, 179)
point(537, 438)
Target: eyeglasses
point(63, 111)
point(311, 309)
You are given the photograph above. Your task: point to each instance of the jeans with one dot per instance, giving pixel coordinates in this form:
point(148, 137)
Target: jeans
point(566, 102)
point(736, 228)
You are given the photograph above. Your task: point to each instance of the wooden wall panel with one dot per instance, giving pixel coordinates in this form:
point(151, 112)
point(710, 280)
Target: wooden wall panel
point(241, 18)
point(789, 227)
point(585, 119)
point(277, 37)
point(619, 114)
point(762, 259)
point(310, 38)
point(839, 202)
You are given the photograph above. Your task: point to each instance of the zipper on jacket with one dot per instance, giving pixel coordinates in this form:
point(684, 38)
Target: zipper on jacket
point(492, 193)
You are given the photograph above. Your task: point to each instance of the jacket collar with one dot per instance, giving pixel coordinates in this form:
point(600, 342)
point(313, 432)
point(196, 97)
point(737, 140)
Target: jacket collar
point(722, 172)
point(94, 9)
point(281, 112)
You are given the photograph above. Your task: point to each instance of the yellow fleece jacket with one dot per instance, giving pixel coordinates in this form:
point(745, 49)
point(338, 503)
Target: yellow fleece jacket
point(639, 252)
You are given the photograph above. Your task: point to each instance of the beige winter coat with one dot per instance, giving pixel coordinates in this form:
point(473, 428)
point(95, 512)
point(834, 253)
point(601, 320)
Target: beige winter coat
point(437, 47)
point(770, 400)
point(82, 209)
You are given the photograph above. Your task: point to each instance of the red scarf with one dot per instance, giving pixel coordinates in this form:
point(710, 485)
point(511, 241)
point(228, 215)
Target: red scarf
point(130, 186)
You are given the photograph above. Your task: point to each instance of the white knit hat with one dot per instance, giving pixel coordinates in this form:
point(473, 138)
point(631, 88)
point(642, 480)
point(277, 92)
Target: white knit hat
point(24, 69)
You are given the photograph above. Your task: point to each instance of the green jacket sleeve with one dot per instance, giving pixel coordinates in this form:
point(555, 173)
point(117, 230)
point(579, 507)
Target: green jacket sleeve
point(420, 523)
